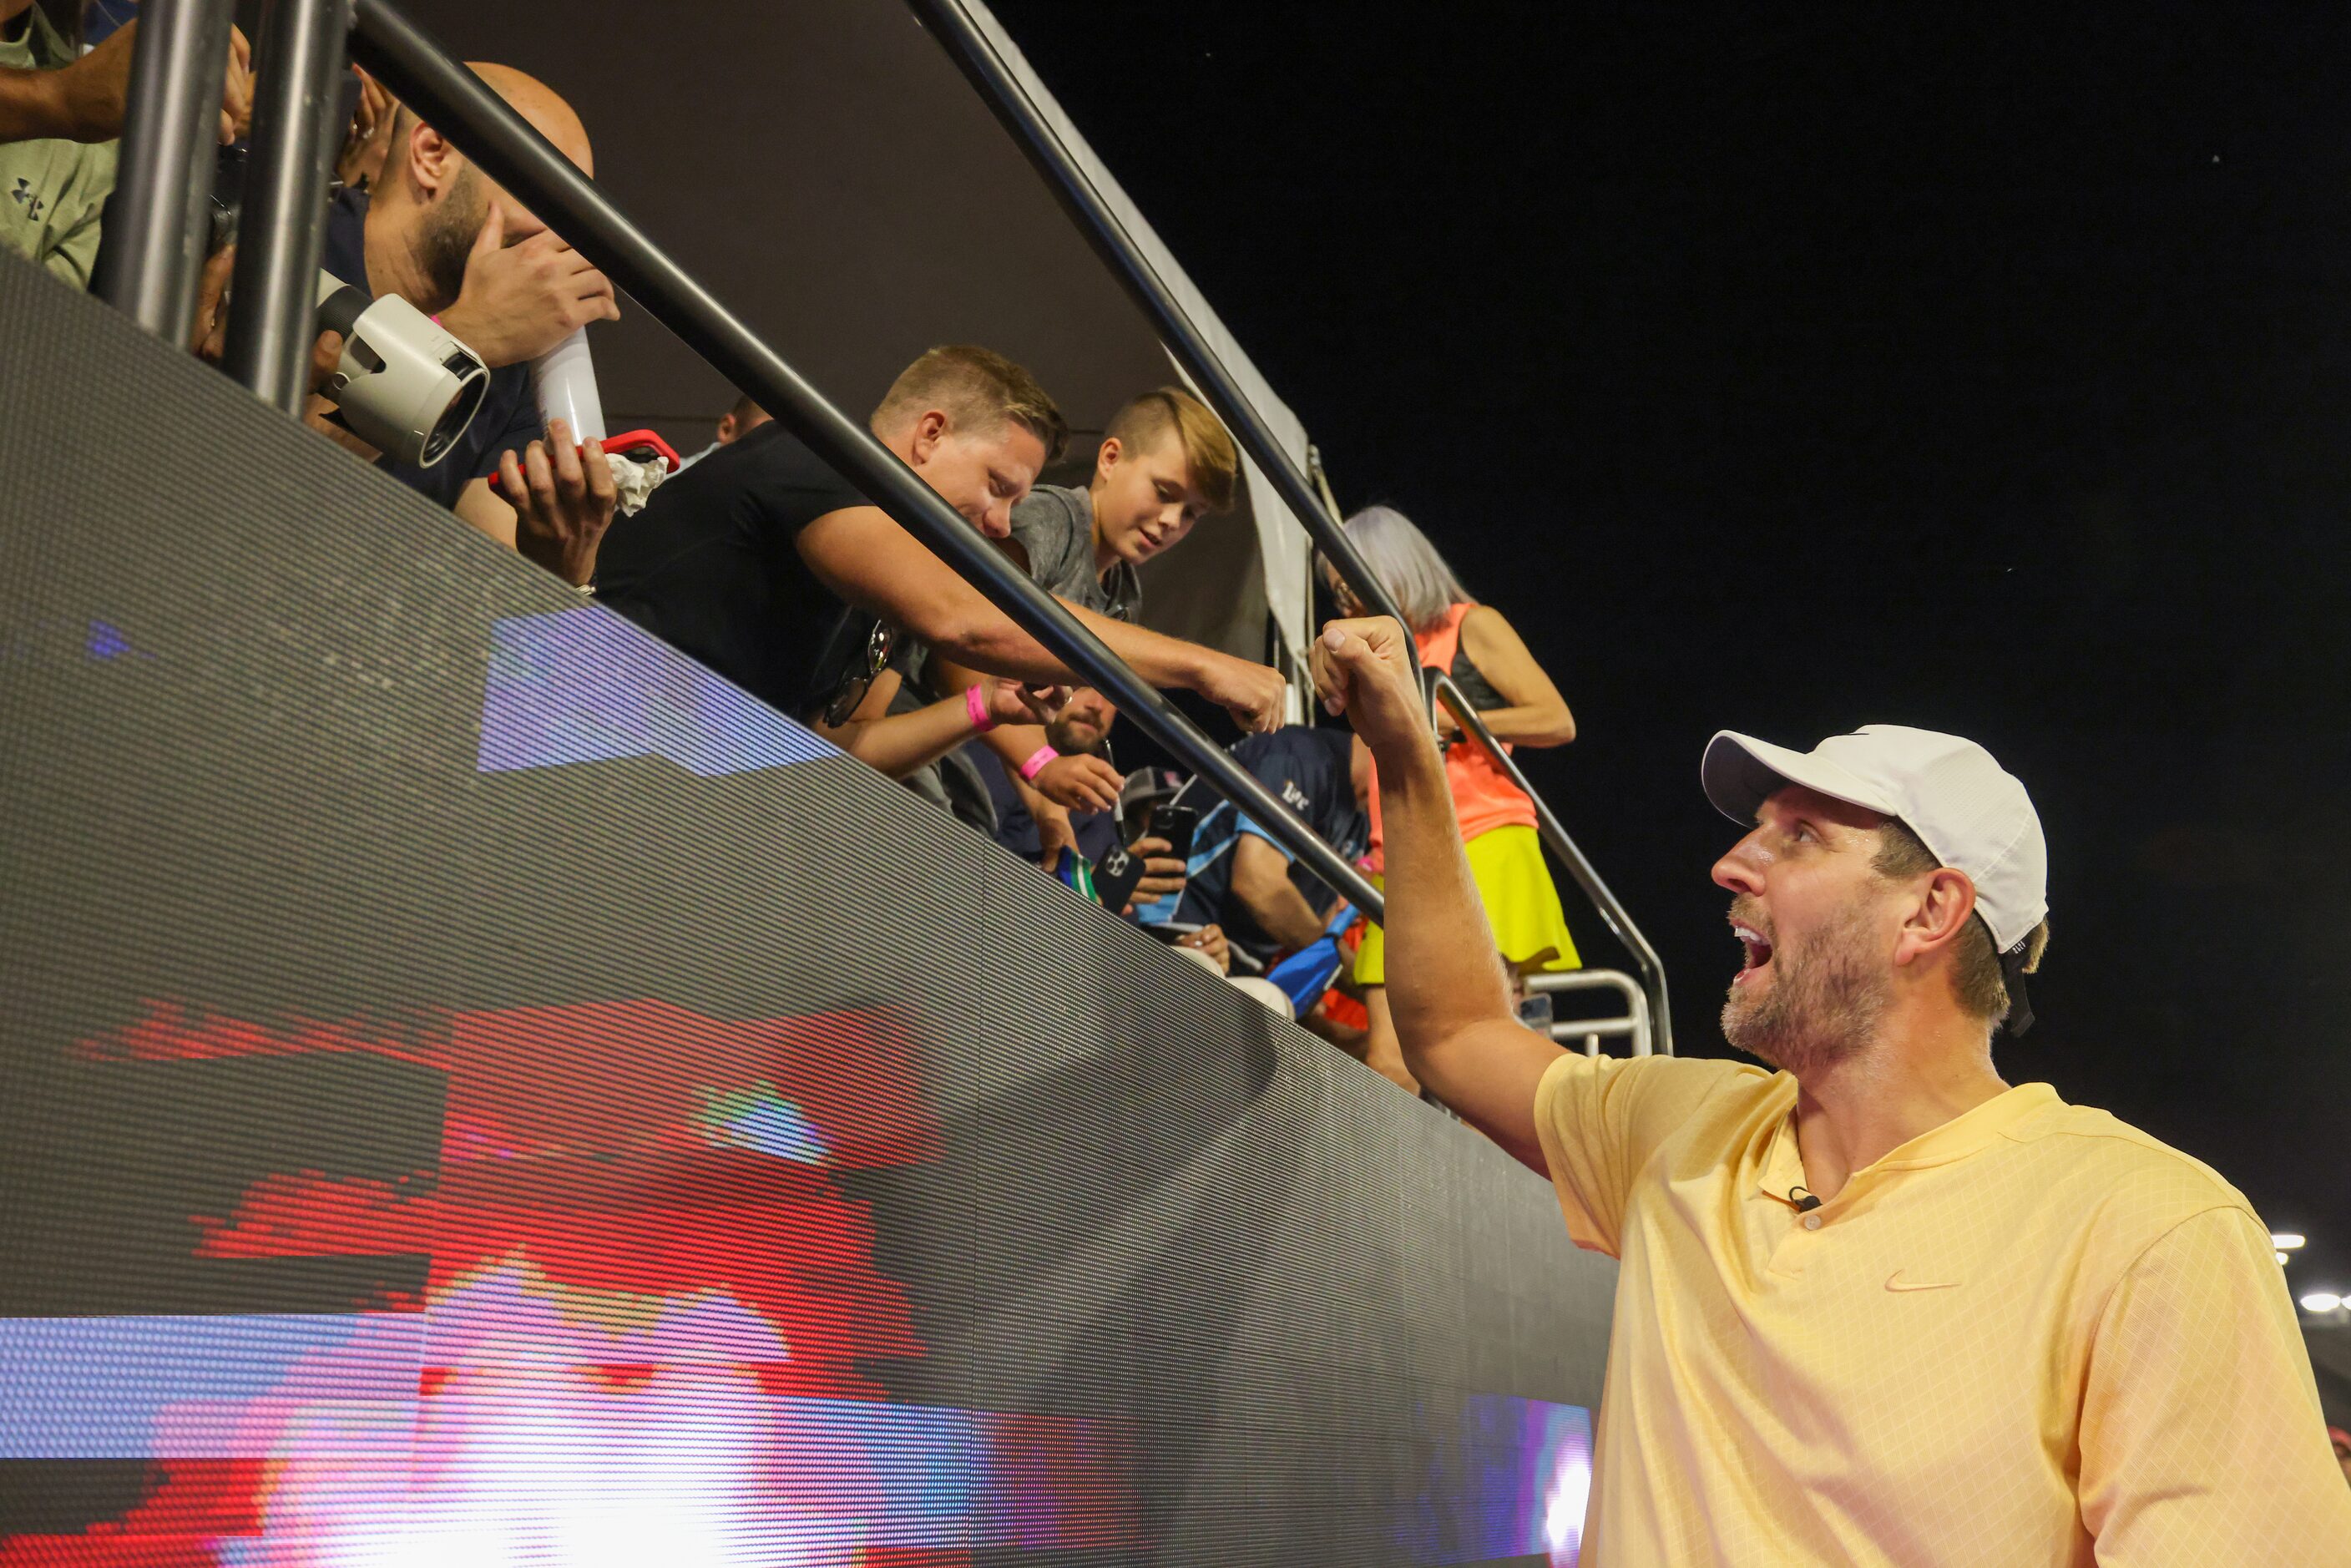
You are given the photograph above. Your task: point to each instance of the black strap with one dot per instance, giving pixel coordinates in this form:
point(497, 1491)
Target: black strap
point(2019, 1004)
point(341, 310)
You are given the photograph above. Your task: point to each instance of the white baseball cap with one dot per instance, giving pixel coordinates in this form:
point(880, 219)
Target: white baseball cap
point(1971, 814)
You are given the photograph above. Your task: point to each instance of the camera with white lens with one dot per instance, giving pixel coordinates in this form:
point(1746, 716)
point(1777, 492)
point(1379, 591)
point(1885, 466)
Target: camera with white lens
point(405, 386)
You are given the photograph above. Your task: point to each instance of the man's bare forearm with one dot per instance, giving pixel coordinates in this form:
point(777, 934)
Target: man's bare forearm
point(898, 744)
point(1159, 659)
point(1442, 973)
point(33, 105)
point(1261, 882)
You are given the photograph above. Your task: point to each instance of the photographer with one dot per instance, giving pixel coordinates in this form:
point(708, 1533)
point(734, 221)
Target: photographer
point(441, 234)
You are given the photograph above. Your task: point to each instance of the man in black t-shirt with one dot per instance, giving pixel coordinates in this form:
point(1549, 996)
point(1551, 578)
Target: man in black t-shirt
point(754, 558)
point(709, 566)
point(1240, 878)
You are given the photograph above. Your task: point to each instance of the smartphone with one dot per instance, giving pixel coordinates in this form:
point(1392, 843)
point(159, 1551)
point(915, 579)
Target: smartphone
point(1116, 878)
point(1176, 824)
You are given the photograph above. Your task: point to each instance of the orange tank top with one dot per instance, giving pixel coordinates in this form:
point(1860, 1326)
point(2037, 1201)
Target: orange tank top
point(1483, 796)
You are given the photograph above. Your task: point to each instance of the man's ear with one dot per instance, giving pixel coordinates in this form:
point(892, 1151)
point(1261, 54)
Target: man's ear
point(1107, 455)
point(433, 162)
point(1943, 902)
point(924, 439)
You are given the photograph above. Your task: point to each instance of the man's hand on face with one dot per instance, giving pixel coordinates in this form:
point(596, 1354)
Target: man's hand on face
point(563, 502)
point(1078, 783)
point(1252, 694)
point(1162, 872)
point(1363, 669)
point(518, 301)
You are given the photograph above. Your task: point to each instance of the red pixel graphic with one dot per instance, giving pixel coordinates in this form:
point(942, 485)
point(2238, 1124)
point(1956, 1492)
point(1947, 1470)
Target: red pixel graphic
point(642, 1330)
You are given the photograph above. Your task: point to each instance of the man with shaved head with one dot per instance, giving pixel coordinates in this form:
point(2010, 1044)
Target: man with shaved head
point(442, 235)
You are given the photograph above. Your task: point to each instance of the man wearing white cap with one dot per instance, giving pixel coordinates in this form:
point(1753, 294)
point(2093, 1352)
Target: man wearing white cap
point(1876, 1307)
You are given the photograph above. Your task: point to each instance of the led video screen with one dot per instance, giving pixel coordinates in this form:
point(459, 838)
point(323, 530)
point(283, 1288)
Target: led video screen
point(480, 1090)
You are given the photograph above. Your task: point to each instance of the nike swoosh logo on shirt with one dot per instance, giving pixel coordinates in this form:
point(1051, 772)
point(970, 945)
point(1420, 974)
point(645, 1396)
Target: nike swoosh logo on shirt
point(1895, 1281)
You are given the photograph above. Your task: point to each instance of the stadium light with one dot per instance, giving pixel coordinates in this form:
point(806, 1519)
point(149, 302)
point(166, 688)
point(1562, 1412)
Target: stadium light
point(2280, 1258)
point(2286, 1240)
point(2321, 1301)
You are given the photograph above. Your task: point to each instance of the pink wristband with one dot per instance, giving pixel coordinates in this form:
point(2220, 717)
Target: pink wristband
point(1037, 761)
point(975, 702)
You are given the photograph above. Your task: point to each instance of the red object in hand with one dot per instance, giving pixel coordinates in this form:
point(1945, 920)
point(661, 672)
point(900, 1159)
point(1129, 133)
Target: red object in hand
point(644, 446)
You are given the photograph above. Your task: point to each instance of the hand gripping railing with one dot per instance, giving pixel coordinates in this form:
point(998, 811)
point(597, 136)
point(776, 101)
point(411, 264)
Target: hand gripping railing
point(456, 103)
point(1556, 834)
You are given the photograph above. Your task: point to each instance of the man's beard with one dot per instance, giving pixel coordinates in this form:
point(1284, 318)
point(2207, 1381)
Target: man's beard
point(1822, 1005)
point(445, 236)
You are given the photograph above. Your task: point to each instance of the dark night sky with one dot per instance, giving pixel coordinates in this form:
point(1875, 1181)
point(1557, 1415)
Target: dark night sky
point(1790, 373)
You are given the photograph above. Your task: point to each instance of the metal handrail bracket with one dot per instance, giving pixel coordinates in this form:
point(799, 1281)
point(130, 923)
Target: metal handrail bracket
point(1560, 844)
point(1635, 1024)
point(456, 103)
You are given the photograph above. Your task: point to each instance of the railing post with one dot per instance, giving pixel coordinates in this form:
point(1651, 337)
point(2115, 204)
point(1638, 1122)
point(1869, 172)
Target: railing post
point(157, 219)
point(299, 63)
point(975, 53)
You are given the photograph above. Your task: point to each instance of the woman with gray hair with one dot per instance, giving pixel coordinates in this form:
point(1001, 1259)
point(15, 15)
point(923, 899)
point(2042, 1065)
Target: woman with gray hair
point(1517, 700)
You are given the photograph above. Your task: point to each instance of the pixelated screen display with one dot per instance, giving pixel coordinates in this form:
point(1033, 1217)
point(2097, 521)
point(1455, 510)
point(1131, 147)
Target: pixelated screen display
point(480, 1091)
point(604, 1298)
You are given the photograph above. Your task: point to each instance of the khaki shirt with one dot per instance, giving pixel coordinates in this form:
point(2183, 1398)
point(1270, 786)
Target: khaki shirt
point(52, 193)
point(2033, 1335)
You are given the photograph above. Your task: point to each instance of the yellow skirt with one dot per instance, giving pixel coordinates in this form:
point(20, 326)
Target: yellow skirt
point(1521, 905)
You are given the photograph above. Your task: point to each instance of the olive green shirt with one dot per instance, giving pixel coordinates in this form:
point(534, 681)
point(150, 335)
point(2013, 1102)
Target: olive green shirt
point(52, 193)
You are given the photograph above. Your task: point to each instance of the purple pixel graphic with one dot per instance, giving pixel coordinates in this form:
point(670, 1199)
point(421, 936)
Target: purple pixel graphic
point(586, 686)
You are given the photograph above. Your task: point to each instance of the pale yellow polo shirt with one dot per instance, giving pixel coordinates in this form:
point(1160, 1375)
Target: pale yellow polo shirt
point(2034, 1335)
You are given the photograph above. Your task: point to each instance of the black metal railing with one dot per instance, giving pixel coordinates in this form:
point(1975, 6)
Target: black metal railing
point(971, 48)
point(984, 65)
point(156, 241)
point(299, 74)
point(452, 99)
point(156, 220)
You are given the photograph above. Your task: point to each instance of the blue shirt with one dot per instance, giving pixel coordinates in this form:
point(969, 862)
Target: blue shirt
point(1308, 770)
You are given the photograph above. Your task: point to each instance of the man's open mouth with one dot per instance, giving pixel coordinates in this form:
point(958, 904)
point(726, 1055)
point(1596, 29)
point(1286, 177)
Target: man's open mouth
point(1756, 948)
